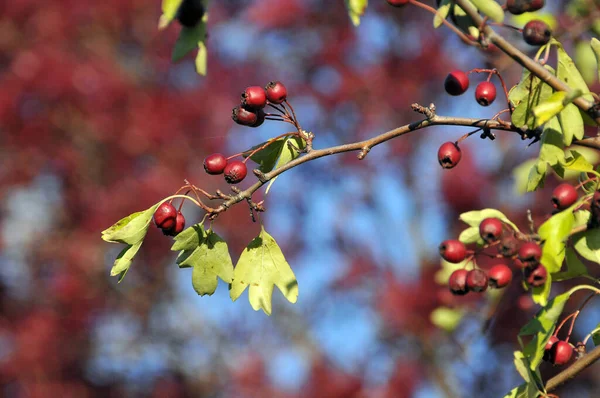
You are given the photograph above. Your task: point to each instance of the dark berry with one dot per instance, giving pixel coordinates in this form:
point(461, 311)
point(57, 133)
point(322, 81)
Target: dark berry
point(456, 83)
point(276, 92)
point(458, 282)
point(165, 215)
point(190, 12)
point(243, 116)
point(518, 7)
point(485, 93)
point(178, 227)
point(215, 163)
point(254, 97)
point(499, 276)
point(449, 155)
point(453, 251)
point(490, 230)
point(508, 247)
point(536, 276)
point(549, 344)
point(235, 171)
point(563, 196)
point(560, 353)
point(260, 118)
point(530, 253)
point(537, 33)
point(477, 280)
point(397, 3)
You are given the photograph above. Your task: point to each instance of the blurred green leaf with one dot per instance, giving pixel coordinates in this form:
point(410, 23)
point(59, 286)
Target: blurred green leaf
point(587, 244)
point(575, 268)
point(474, 218)
point(595, 44)
point(169, 9)
point(470, 235)
point(490, 8)
point(201, 59)
point(537, 175)
point(446, 269)
point(188, 40)
point(585, 61)
point(441, 13)
point(356, 9)
point(520, 175)
point(446, 318)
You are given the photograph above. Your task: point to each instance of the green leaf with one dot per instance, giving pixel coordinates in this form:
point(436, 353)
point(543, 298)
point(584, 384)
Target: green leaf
point(442, 13)
point(490, 8)
point(549, 108)
point(169, 9)
point(551, 149)
point(446, 318)
point(575, 268)
point(537, 175)
point(131, 229)
point(571, 123)
point(209, 256)
point(585, 61)
point(470, 235)
point(554, 233)
point(287, 155)
point(587, 244)
point(577, 162)
point(188, 40)
point(263, 266)
point(356, 8)
point(568, 73)
point(267, 157)
point(530, 92)
point(540, 294)
point(596, 336)
point(201, 59)
point(124, 259)
point(581, 217)
point(474, 218)
point(520, 175)
point(595, 44)
point(525, 390)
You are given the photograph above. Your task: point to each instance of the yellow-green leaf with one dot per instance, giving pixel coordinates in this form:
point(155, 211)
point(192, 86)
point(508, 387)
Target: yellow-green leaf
point(595, 44)
point(446, 318)
point(169, 9)
point(442, 13)
point(490, 8)
point(549, 108)
point(356, 9)
point(131, 229)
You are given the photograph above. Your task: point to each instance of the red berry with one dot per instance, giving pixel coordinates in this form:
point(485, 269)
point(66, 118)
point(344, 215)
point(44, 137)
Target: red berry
point(530, 253)
point(235, 172)
point(499, 276)
point(165, 215)
point(449, 155)
point(490, 230)
point(456, 83)
point(518, 7)
point(453, 251)
point(536, 276)
point(260, 118)
point(178, 227)
point(190, 12)
point(243, 116)
point(397, 3)
point(215, 163)
point(561, 353)
point(254, 97)
point(458, 282)
point(477, 280)
point(508, 247)
point(485, 93)
point(549, 344)
point(563, 196)
point(536, 33)
point(276, 92)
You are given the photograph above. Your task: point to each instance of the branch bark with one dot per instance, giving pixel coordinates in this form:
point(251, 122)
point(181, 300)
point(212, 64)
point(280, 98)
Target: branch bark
point(573, 370)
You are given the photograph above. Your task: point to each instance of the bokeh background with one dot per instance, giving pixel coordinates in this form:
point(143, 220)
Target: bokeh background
point(96, 123)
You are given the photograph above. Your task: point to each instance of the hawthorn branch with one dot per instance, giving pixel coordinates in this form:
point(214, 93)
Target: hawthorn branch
point(573, 370)
point(534, 67)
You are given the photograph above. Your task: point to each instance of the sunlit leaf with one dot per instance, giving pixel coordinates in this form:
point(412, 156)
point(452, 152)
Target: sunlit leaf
point(587, 244)
point(169, 9)
point(554, 233)
point(549, 108)
point(441, 13)
point(356, 9)
point(567, 72)
point(446, 318)
point(124, 259)
point(131, 229)
point(490, 8)
point(288, 153)
point(575, 268)
point(474, 218)
point(595, 44)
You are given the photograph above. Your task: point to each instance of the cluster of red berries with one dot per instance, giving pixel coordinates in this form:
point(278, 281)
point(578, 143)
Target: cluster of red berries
point(254, 99)
point(234, 171)
point(557, 352)
point(457, 83)
point(168, 219)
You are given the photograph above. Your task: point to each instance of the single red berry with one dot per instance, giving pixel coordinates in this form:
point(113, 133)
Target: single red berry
point(548, 347)
point(243, 116)
point(563, 196)
point(260, 118)
point(190, 12)
point(518, 7)
point(536, 276)
point(178, 227)
point(165, 215)
point(397, 3)
point(453, 251)
point(215, 163)
point(235, 171)
point(449, 155)
point(477, 280)
point(561, 353)
point(530, 253)
point(276, 92)
point(458, 282)
point(508, 247)
point(254, 97)
point(499, 276)
point(537, 33)
point(485, 93)
point(490, 230)
point(456, 83)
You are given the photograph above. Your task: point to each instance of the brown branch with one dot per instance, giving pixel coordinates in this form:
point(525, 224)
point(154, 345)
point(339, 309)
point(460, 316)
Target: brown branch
point(535, 68)
point(573, 370)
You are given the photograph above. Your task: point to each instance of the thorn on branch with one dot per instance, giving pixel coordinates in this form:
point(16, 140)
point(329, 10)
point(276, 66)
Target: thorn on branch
point(428, 111)
point(363, 152)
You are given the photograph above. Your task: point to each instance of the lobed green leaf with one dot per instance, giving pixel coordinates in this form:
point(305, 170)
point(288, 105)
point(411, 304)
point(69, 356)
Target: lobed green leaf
point(131, 229)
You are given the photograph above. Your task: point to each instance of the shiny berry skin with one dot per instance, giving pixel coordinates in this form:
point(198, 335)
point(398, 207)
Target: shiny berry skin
point(477, 280)
point(560, 353)
point(536, 276)
point(549, 344)
point(276, 92)
point(518, 7)
point(243, 116)
point(215, 164)
point(165, 216)
point(456, 83)
point(458, 282)
point(178, 227)
point(490, 230)
point(254, 97)
point(499, 276)
point(453, 251)
point(449, 155)
point(485, 93)
point(190, 12)
point(509, 246)
point(530, 253)
point(397, 3)
point(235, 172)
point(260, 118)
point(564, 196)
point(537, 33)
